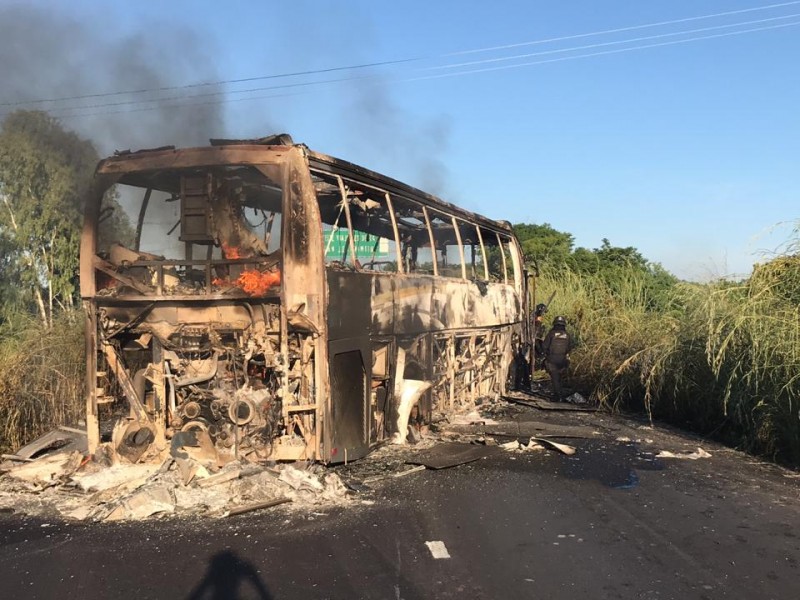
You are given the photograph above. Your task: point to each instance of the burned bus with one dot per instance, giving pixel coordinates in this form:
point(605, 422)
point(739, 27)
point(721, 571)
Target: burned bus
point(284, 305)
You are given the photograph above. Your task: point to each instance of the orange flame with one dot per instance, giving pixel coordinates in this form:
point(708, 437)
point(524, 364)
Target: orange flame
point(230, 252)
point(256, 283)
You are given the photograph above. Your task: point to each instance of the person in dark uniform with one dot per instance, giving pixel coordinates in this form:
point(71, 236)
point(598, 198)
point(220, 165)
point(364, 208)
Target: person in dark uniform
point(556, 347)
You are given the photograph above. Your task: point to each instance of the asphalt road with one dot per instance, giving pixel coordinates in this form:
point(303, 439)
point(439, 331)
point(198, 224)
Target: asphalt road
point(608, 522)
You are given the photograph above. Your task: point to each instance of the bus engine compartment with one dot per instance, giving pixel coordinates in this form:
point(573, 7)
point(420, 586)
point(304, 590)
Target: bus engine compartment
point(192, 345)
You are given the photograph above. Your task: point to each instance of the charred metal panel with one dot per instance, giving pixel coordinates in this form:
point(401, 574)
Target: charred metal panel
point(349, 312)
point(350, 404)
point(407, 305)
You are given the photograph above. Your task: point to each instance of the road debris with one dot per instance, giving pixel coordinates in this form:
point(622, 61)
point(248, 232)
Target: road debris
point(444, 456)
point(536, 444)
point(471, 418)
point(699, 453)
point(49, 469)
point(188, 477)
point(65, 439)
point(395, 475)
point(16, 458)
point(142, 504)
point(628, 440)
point(576, 398)
point(117, 478)
point(438, 550)
point(259, 506)
point(535, 401)
point(64, 483)
point(222, 477)
point(517, 446)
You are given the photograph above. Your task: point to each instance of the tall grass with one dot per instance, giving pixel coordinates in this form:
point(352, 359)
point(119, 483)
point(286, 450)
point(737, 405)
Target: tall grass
point(719, 358)
point(754, 348)
point(41, 376)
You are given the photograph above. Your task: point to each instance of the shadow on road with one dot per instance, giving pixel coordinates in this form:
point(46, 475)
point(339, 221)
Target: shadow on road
point(230, 577)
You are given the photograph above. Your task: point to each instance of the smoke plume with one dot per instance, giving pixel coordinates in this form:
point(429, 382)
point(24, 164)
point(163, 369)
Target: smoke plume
point(47, 54)
point(394, 135)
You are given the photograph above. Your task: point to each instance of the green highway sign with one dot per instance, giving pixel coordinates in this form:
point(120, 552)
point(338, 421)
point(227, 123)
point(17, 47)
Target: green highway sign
point(364, 243)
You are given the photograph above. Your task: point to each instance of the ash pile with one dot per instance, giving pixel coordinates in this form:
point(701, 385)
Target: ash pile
point(56, 478)
point(139, 475)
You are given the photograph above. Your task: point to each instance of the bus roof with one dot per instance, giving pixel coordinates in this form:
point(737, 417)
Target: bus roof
point(250, 151)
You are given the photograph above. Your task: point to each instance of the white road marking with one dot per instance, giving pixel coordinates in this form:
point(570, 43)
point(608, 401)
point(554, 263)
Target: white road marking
point(438, 549)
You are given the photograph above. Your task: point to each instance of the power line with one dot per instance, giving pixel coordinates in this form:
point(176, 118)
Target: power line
point(212, 94)
point(630, 28)
point(605, 52)
point(613, 43)
point(161, 100)
point(391, 62)
point(443, 75)
point(213, 83)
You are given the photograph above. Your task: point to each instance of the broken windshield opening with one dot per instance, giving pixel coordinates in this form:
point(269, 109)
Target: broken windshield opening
point(191, 231)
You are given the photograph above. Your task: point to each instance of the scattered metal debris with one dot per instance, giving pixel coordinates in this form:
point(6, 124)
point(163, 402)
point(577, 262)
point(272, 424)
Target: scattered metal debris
point(64, 439)
point(76, 489)
point(438, 549)
point(258, 506)
point(48, 470)
point(444, 456)
point(628, 440)
point(699, 453)
point(395, 475)
point(193, 479)
point(537, 402)
point(576, 398)
point(550, 444)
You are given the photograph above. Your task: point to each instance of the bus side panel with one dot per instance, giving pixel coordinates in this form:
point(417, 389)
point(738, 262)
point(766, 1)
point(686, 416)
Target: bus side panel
point(408, 305)
point(349, 368)
point(349, 314)
point(350, 363)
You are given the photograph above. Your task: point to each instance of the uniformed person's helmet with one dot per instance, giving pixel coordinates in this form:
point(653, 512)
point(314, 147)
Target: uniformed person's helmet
point(559, 320)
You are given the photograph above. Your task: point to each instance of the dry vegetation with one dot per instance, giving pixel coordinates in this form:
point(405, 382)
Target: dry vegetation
point(722, 359)
point(41, 376)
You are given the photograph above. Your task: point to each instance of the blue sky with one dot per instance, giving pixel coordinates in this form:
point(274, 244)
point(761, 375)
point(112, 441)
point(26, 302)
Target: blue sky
point(689, 152)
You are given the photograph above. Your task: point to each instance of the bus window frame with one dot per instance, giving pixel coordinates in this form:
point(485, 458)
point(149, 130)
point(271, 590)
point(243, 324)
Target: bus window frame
point(430, 237)
point(460, 249)
point(343, 187)
point(503, 256)
point(483, 252)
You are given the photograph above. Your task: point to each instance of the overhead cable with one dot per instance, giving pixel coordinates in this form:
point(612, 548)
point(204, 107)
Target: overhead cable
point(443, 75)
point(394, 62)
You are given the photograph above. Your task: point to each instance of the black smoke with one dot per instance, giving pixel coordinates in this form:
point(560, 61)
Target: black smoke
point(416, 145)
point(46, 53)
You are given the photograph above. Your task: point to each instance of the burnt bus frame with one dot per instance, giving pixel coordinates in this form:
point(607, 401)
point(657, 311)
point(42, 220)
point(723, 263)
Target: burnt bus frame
point(341, 328)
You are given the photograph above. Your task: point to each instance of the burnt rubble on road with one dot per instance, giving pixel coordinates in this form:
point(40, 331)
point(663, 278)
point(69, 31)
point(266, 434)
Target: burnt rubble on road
point(55, 476)
point(187, 478)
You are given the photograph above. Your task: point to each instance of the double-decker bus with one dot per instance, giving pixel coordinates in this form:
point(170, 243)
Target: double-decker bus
point(283, 304)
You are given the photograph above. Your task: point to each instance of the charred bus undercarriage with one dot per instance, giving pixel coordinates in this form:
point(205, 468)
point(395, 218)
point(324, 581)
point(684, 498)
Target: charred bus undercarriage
point(269, 302)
